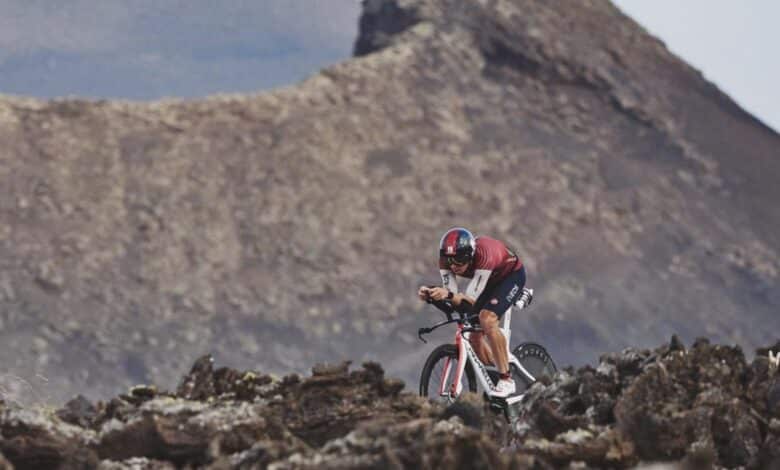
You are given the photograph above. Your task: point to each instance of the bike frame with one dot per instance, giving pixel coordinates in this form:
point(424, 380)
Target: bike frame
point(467, 354)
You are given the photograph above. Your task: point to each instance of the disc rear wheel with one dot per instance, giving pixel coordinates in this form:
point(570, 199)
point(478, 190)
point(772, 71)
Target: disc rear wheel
point(536, 361)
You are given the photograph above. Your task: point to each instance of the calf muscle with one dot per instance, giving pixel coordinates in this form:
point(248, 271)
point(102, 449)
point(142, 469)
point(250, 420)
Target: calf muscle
point(496, 339)
point(479, 343)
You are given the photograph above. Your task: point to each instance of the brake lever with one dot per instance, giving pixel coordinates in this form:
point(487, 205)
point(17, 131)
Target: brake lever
point(423, 331)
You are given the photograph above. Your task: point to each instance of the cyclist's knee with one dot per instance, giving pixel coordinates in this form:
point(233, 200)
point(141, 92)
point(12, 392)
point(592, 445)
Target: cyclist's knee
point(488, 320)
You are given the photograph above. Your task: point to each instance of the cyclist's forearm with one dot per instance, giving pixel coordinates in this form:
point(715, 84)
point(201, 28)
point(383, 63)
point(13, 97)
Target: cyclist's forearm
point(458, 299)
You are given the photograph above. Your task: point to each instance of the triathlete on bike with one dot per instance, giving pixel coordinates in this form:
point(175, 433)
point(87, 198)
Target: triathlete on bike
point(497, 280)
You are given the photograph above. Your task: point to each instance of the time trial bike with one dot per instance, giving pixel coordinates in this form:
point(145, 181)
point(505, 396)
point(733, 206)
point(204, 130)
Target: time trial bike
point(451, 368)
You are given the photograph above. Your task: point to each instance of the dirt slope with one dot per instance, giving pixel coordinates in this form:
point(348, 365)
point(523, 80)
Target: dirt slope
point(285, 228)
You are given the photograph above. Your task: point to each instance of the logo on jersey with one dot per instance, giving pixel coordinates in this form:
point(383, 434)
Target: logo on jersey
point(512, 293)
point(493, 301)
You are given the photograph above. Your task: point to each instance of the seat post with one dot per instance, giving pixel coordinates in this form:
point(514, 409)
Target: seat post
point(505, 327)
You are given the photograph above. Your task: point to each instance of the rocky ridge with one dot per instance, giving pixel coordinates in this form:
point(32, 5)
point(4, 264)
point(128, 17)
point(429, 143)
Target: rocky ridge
point(701, 407)
point(288, 228)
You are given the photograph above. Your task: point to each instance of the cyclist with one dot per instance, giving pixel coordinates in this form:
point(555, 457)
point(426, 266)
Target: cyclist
point(497, 280)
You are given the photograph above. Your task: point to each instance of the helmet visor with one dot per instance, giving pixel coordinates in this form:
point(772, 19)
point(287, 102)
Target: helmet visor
point(460, 258)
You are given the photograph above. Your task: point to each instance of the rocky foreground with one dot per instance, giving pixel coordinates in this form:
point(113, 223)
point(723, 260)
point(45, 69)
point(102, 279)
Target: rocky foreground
point(702, 407)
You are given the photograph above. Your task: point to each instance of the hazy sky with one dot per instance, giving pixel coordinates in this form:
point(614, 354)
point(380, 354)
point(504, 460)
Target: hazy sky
point(147, 49)
point(734, 43)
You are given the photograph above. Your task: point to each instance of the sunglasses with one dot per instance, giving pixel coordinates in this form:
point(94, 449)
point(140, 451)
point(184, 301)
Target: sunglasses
point(457, 259)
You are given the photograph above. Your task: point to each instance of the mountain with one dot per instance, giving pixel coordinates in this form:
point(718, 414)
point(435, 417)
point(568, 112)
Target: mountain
point(286, 228)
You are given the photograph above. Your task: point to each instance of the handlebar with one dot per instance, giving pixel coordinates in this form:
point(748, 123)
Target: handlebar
point(423, 331)
point(448, 309)
point(464, 312)
point(443, 305)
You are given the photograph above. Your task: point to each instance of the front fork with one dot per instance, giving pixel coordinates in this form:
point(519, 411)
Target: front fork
point(445, 377)
point(460, 343)
point(459, 367)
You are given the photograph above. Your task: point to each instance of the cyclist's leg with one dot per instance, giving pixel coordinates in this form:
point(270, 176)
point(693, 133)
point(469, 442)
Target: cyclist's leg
point(479, 343)
point(496, 340)
point(498, 301)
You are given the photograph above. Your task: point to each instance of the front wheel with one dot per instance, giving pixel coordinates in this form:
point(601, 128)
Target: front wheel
point(534, 359)
point(438, 374)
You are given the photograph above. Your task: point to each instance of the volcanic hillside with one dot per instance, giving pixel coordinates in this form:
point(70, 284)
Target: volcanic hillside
point(286, 228)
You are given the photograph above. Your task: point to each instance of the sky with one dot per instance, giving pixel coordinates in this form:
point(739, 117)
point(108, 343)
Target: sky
point(734, 43)
point(149, 49)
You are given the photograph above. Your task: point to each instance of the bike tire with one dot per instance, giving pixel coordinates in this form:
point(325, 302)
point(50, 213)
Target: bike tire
point(536, 360)
point(434, 369)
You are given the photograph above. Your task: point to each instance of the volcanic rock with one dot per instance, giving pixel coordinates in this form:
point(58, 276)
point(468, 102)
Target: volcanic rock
point(36, 439)
point(696, 408)
point(5, 464)
point(699, 405)
point(78, 411)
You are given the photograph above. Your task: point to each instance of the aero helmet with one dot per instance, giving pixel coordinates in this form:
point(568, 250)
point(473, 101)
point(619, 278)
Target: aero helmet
point(458, 245)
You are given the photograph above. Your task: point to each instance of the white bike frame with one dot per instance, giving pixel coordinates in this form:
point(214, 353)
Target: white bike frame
point(467, 354)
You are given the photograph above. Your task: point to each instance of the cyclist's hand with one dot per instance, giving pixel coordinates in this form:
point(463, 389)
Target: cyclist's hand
point(423, 292)
point(439, 293)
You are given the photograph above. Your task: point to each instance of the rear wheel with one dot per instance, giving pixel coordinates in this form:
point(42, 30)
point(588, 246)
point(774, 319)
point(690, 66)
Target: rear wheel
point(534, 359)
point(439, 372)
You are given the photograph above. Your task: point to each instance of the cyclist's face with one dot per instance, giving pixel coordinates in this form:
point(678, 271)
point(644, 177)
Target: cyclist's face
point(459, 268)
